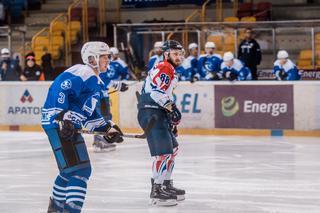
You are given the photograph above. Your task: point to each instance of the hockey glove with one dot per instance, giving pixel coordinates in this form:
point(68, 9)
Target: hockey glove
point(66, 130)
point(283, 75)
point(113, 133)
point(231, 76)
point(174, 115)
point(124, 87)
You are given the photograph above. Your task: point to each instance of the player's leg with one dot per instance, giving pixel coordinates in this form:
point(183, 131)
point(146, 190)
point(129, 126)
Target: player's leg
point(71, 156)
point(161, 149)
point(168, 182)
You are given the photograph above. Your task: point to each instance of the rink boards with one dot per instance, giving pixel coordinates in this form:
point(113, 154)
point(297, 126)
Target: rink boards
point(238, 108)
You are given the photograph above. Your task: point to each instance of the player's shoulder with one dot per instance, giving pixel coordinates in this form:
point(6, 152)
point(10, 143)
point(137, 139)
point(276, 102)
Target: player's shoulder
point(289, 65)
point(277, 63)
point(202, 56)
point(153, 57)
point(237, 64)
point(217, 56)
point(82, 71)
point(165, 67)
point(121, 62)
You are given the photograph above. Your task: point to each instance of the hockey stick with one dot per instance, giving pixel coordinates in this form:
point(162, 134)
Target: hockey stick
point(144, 135)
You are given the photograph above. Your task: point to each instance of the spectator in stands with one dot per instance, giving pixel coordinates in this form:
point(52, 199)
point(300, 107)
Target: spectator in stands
point(46, 65)
point(284, 69)
point(9, 68)
point(209, 63)
point(32, 71)
point(157, 57)
point(233, 69)
point(249, 53)
point(188, 70)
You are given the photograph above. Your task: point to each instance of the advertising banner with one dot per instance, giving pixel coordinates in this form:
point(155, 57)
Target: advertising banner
point(254, 106)
point(194, 101)
point(21, 103)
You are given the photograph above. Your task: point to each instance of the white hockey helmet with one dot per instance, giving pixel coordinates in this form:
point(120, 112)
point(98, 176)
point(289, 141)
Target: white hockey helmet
point(114, 51)
point(158, 44)
point(228, 56)
point(210, 44)
point(5, 51)
point(282, 54)
point(94, 49)
point(192, 46)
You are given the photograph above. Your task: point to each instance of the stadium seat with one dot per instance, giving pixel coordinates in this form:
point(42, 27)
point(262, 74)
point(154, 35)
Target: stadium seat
point(229, 47)
point(92, 16)
point(263, 11)
point(217, 39)
point(58, 28)
point(231, 19)
point(41, 42)
point(245, 9)
point(76, 14)
point(58, 41)
point(229, 39)
point(305, 55)
point(304, 64)
point(75, 31)
point(248, 19)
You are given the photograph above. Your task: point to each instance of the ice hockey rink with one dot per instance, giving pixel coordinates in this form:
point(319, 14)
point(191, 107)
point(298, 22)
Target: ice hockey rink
point(220, 174)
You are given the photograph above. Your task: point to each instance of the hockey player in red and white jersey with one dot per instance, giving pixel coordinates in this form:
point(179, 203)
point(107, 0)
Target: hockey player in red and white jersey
point(156, 99)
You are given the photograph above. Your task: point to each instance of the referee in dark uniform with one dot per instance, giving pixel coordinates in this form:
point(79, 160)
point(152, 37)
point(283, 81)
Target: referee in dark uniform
point(249, 53)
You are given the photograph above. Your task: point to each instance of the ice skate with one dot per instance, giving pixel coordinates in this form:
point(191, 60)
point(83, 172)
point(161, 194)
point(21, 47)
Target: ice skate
point(159, 197)
point(168, 187)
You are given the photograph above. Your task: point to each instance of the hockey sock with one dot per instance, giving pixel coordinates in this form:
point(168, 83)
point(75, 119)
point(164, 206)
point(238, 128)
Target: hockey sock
point(170, 164)
point(59, 191)
point(159, 168)
point(76, 190)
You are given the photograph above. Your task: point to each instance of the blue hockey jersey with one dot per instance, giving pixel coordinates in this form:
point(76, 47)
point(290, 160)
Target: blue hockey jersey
point(76, 92)
point(243, 73)
point(209, 64)
point(289, 68)
point(188, 68)
point(153, 61)
point(117, 70)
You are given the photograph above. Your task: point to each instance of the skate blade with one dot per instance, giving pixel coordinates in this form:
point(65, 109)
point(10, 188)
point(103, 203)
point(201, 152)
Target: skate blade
point(159, 202)
point(100, 150)
point(180, 197)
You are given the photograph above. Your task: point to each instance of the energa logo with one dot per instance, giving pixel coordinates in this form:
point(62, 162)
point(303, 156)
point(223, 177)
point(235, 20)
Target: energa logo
point(229, 106)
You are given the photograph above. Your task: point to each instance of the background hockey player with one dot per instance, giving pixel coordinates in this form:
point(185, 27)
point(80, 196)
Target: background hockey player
point(189, 68)
point(209, 63)
point(157, 57)
point(71, 104)
point(284, 68)
point(117, 71)
point(233, 69)
point(157, 99)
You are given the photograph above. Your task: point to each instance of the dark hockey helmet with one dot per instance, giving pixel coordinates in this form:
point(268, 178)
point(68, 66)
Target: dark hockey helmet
point(171, 44)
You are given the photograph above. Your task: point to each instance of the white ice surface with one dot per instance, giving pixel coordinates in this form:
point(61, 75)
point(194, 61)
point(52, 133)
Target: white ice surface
point(220, 174)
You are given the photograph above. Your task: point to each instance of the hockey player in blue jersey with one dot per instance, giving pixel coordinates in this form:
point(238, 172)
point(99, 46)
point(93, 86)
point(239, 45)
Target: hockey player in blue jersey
point(99, 142)
point(118, 69)
point(209, 63)
point(71, 105)
point(233, 69)
point(284, 69)
point(157, 100)
point(189, 68)
point(157, 57)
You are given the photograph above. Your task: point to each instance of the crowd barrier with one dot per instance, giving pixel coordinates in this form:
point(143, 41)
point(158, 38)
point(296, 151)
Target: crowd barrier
point(227, 108)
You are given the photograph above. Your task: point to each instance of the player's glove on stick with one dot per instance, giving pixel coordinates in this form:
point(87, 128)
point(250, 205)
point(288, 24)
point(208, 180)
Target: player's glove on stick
point(283, 75)
point(113, 133)
point(66, 130)
point(231, 76)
